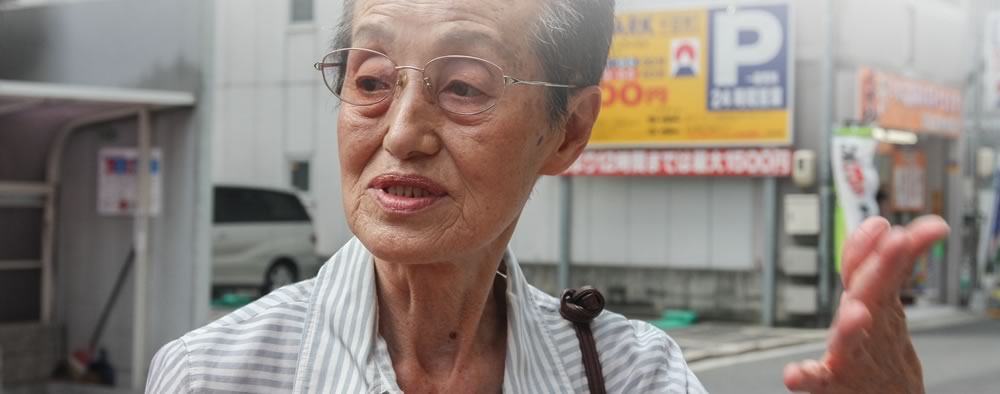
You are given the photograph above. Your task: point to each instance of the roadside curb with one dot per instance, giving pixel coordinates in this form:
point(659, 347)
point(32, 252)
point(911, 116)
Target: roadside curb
point(916, 319)
point(752, 345)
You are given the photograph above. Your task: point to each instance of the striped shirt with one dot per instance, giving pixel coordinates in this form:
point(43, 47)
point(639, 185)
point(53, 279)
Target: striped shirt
point(320, 336)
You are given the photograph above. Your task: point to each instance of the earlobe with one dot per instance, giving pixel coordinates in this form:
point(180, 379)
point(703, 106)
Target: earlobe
point(583, 110)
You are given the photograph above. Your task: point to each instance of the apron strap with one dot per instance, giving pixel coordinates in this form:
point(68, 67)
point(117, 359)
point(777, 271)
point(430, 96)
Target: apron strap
point(581, 306)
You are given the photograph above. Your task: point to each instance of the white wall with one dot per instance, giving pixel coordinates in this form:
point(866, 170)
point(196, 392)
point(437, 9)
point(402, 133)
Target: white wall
point(272, 106)
point(924, 39)
point(692, 223)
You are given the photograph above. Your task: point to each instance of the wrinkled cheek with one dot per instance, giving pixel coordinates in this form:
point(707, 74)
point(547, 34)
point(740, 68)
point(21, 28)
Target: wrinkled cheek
point(358, 139)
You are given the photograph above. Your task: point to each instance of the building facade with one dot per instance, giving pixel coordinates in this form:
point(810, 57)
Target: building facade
point(693, 242)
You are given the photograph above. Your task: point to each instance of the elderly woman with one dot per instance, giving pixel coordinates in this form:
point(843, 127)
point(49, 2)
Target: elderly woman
point(451, 111)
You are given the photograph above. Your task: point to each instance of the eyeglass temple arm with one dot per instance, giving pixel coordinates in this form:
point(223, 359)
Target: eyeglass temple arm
point(515, 81)
point(319, 66)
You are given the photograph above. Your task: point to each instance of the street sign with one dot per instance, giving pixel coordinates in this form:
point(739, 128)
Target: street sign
point(896, 102)
point(754, 162)
point(699, 77)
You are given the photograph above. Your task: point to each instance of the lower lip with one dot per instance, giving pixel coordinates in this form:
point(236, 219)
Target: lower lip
point(400, 204)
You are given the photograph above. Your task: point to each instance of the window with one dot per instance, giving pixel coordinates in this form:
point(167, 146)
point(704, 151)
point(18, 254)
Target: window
point(300, 175)
point(245, 205)
point(282, 207)
point(302, 11)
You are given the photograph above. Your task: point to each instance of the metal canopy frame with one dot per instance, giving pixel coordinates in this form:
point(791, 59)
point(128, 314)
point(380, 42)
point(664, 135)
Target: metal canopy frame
point(88, 106)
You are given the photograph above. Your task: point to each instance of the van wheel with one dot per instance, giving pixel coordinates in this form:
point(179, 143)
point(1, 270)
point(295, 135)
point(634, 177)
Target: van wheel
point(282, 273)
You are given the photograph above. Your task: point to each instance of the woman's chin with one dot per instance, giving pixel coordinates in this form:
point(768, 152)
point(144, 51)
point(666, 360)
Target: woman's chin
point(409, 253)
point(404, 246)
point(421, 241)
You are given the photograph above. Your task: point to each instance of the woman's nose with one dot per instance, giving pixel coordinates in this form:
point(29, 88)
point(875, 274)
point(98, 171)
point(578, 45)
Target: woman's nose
point(414, 120)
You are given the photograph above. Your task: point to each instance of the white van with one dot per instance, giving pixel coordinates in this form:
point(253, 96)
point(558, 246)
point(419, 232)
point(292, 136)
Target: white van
point(261, 238)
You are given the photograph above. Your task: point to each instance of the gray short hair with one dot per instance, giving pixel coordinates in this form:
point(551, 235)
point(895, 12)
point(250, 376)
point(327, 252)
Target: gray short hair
point(572, 40)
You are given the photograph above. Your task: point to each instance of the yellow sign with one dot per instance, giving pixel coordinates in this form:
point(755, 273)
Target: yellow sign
point(699, 77)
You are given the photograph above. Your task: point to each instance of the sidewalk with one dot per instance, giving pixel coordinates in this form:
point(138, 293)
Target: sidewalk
point(713, 340)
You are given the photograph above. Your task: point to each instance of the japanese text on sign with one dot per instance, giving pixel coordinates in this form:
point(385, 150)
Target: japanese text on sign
point(684, 162)
point(698, 77)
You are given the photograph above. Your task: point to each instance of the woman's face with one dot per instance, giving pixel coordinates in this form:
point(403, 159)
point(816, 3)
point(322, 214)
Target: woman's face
point(421, 185)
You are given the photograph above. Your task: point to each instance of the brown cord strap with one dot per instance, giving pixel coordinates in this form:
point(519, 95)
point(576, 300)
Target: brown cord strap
point(581, 306)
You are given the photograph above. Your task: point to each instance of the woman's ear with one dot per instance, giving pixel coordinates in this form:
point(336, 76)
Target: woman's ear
point(582, 111)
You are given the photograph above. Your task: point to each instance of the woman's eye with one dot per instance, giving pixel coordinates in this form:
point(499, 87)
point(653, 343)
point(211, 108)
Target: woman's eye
point(463, 89)
point(370, 84)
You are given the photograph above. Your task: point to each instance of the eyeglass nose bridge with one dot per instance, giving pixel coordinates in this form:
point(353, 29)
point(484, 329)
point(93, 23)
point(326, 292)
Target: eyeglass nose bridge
point(400, 80)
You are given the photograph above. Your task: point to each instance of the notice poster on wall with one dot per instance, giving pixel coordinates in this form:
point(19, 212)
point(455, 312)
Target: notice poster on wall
point(856, 181)
point(909, 181)
point(118, 181)
point(699, 77)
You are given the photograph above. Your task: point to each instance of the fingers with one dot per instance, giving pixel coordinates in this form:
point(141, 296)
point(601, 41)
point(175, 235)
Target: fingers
point(924, 232)
point(853, 319)
point(848, 334)
point(861, 244)
point(808, 376)
point(882, 272)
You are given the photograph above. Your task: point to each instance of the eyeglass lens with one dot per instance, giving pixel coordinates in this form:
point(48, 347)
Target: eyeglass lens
point(462, 85)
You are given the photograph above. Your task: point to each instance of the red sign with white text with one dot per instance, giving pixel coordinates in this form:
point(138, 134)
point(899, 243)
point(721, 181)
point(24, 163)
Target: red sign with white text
point(687, 162)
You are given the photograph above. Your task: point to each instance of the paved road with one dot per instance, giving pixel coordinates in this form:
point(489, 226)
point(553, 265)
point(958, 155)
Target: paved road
point(962, 359)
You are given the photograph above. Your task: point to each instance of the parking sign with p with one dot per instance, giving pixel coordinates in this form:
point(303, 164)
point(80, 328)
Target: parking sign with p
point(749, 58)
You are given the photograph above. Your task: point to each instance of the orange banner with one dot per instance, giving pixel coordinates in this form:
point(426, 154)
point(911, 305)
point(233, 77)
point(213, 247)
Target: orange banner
point(895, 102)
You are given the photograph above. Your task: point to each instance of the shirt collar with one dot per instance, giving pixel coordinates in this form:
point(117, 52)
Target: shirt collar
point(340, 330)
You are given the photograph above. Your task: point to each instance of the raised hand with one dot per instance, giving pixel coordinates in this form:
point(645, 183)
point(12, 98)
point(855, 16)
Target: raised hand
point(869, 348)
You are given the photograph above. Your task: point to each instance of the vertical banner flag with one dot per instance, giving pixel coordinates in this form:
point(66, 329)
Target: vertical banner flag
point(856, 181)
point(118, 181)
point(991, 56)
point(703, 77)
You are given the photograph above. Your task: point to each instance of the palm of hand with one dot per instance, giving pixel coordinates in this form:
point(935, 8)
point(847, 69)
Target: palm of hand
point(869, 350)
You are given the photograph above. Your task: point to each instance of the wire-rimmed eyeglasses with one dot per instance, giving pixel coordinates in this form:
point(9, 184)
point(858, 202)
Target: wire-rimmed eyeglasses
point(462, 85)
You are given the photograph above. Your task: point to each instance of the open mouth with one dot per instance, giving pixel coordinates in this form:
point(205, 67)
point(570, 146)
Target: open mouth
point(407, 192)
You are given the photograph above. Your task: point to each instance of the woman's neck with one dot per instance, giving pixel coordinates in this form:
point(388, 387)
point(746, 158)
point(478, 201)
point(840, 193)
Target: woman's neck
point(444, 324)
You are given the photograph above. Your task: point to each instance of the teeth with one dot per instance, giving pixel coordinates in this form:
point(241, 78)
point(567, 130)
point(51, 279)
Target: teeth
point(408, 192)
